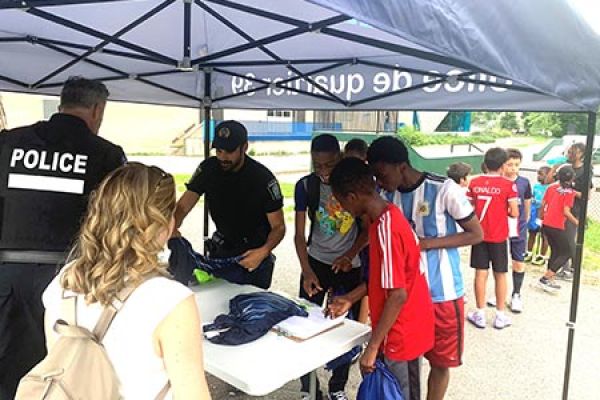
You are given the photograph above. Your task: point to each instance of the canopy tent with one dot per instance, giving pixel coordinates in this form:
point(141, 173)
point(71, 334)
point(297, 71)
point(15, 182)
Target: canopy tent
point(315, 54)
point(293, 54)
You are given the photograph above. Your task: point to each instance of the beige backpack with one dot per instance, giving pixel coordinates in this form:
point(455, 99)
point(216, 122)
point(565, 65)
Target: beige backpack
point(77, 367)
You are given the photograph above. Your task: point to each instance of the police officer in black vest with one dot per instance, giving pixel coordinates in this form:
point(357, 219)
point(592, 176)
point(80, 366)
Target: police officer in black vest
point(47, 171)
point(245, 203)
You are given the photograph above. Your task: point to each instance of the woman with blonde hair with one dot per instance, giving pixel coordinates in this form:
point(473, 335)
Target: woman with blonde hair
point(155, 337)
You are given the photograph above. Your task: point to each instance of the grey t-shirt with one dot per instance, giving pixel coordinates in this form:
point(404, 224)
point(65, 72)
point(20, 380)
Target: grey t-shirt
point(334, 230)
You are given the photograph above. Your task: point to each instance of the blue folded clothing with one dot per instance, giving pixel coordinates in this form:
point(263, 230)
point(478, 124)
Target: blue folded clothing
point(251, 316)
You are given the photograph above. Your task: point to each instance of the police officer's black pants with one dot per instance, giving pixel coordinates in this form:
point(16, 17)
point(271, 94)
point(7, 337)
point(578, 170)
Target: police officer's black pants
point(342, 282)
point(22, 340)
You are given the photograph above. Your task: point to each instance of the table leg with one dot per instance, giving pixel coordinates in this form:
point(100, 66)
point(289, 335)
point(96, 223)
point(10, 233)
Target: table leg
point(312, 387)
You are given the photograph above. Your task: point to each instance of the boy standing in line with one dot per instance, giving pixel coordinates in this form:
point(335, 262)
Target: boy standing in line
point(495, 199)
point(459, 172)
point(399, 300)
point(329, 258)
point(440, 213)
point(518, 243)
point(534, 227)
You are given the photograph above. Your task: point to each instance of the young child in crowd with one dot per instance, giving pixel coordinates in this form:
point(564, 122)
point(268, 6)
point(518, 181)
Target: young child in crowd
point(556, 210)
point(400, 303)
point(356, 148)
point(534, 226)
point(329, 258)
point(495, 198)
point(518, 242)
point(459, 172)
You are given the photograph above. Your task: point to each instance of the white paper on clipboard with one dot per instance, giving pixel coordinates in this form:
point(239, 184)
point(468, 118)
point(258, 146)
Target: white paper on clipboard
point(303, 328)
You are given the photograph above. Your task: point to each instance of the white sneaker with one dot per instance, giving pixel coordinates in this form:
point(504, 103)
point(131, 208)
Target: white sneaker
point(341, 395)
point(491, 302)
point(516, 303)
point(477, 318)
point(501, 321)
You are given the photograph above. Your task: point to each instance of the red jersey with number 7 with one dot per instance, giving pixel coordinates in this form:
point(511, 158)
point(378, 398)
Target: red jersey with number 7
point(490, 195)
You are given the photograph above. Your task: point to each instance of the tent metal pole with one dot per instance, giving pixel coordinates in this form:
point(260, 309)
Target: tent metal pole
point(587, 169)
point(207, 121)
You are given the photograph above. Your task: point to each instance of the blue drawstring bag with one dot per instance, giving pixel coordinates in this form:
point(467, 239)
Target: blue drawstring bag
point(380, 384)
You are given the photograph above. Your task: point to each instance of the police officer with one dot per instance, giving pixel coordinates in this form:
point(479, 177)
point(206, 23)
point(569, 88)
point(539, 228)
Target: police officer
point(47, 171)
point(245, 203)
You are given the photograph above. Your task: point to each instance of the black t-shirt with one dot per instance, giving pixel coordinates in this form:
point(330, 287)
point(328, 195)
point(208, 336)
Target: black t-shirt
point(579, 185)
point(239, 201)
point(47, 171)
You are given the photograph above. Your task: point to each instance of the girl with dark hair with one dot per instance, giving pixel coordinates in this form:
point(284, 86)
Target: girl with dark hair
point(556, 210)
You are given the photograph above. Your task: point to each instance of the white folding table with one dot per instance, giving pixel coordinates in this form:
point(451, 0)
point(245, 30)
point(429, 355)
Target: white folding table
point(265, 365)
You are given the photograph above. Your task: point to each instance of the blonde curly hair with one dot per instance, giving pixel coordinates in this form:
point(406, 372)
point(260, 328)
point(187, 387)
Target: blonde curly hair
point(126, 224)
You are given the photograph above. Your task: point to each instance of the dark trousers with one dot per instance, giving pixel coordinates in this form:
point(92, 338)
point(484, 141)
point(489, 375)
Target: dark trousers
point(340, 283)
point(22, 340)
point(561, 247)
point(571, 229)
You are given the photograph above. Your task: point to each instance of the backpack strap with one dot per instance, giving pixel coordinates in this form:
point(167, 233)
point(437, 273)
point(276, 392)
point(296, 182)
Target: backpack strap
point(313, 189)
point(110, 311)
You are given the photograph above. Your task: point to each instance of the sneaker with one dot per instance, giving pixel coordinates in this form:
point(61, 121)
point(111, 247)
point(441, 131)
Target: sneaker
point(516, 303)
point(341, 395)
point(528, 256)
point(565, 275)
point(539, 260)
point(548, 285)
point(477, 318)
point(491, 302)
point(501, 321)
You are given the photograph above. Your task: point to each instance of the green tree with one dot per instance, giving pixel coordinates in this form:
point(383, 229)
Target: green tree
point(509, 121)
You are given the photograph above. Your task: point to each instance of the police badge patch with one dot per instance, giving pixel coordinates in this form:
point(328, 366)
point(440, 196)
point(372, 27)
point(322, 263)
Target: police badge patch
point(274, 189)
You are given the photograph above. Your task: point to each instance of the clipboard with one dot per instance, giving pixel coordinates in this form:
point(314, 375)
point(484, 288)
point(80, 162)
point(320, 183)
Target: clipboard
point(303, 328)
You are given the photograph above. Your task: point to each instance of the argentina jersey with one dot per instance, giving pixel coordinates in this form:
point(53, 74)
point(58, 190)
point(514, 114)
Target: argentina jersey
point(433, 208)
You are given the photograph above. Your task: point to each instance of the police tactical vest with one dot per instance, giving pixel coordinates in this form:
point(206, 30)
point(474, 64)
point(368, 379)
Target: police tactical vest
point(47, 171)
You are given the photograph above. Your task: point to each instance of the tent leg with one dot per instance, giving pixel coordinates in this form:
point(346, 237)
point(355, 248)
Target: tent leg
point(587, 169)
point(207, 122)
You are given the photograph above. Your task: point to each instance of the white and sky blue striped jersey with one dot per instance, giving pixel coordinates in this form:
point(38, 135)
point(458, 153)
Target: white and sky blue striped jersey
point(433, 207)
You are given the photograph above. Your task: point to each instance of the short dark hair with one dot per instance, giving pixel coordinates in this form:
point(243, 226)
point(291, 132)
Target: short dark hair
point(325, 143)
point(514, 153)
point(351, 175)
point(388, 150)
point(566, 174)
point(544, 168)
point(581, 147)
point(81, 92)
point(495, 158)
point(458, 170)
point(358, 146)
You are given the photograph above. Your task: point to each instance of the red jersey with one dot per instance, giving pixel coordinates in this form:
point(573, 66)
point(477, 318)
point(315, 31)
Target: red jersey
point(490, 195)
point(556, 199)
point(394, 264)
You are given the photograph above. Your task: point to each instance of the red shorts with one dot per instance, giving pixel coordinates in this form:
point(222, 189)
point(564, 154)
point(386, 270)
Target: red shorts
point(449, 334)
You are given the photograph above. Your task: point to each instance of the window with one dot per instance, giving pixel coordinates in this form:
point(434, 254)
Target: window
point(279, 113)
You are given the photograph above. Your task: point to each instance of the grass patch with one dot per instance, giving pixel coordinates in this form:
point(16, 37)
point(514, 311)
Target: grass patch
point(287, 189)
point(180, 181)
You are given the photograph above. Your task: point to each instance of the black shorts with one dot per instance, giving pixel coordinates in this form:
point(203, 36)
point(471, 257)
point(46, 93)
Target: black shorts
point(485, 253)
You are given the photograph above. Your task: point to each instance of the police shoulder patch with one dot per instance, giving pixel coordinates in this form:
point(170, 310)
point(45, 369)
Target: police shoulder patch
point(274, 189)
